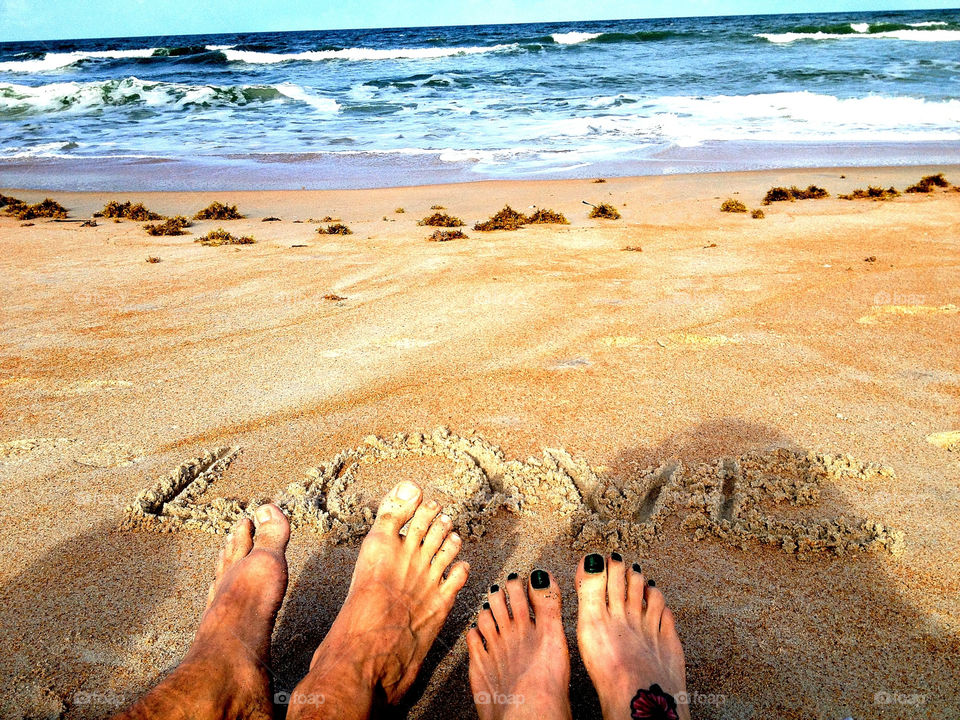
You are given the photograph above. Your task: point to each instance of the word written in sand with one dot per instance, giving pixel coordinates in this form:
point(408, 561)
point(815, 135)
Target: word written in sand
point(730, 498)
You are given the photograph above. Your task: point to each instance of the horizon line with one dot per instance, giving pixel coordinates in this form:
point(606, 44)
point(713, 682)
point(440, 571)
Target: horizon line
point(467, 25)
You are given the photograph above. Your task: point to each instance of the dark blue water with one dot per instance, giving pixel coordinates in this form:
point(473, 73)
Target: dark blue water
point(397, 106)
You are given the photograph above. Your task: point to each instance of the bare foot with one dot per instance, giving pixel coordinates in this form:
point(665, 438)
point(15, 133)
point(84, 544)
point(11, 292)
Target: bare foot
point(397, 603)
point(519, 666)
point(225, 672)
point(627, 637)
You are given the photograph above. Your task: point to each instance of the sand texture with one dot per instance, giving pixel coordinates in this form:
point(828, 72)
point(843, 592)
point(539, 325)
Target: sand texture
point(762, 412)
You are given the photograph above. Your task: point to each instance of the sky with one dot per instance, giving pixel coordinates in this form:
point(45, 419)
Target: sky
point(68, 19)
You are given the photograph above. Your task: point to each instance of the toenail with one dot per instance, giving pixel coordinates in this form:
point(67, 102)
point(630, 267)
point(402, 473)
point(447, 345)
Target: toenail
point(486, 606)
point(540, 579)
point(406, 491)
point(652, 583)
point(445, 519)
point(593, 563)
point(512, 576)
point(636, 568)
point(494, 588)
point(262, 515)
point(433, 505)
point(616, 556)
point(454, 537)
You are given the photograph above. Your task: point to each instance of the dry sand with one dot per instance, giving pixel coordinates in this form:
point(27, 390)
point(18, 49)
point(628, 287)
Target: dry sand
point(749, 408)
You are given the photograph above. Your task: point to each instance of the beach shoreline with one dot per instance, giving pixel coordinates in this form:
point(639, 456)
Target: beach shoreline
point(672, 348)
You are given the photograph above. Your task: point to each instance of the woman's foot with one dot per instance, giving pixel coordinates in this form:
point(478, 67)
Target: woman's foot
point(627, 637)
point(519, 666)
point(398, 600)
point(225, 672)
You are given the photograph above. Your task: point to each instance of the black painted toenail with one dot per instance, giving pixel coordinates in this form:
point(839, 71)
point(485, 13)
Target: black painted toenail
point(486, 606)
point(652, 583)
point(636, 568)
point(616, 556)
point(593, 563)
point(494, 588)
point(512, 576)
point(539, 579)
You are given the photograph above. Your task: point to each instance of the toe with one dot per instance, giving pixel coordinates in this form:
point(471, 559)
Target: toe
point(273, 529)
point(616, 585)
point(445, 555)
point(454, 582)
point(517, 595)
point(592, 587)
point(545, 598)
point(635, 585)
point(421, 522)
point(654, 610)
point(238, 545)
point(436, 535)
point(488, 626)
point(498, 606)
point(475, 645)
point(397, 508)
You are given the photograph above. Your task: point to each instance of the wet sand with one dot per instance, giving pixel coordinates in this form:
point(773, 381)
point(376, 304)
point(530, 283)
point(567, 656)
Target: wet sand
point(720, 375)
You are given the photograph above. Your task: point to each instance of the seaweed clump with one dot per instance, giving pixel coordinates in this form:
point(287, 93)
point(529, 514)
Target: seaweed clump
point(335, 229)
point(757, 214)
point(218, 237)
point(170, 226)
point(605, 211)
point(928, 183)
point(505, 219)
point(439, 219)
point(783, 194)
point(128, 210)
point(445, 235)
point(733, 206)
point(23, 211)
point(872, 193)
point(547, 217)
point(218, 211)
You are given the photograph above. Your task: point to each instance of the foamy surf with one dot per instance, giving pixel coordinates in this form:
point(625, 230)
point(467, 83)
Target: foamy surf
point(358, 54)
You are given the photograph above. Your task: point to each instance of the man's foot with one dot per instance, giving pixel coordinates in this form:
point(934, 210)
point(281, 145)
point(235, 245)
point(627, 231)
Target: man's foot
point(519, 666)
point(627, 636)
point(397, 602)
point(225, 672)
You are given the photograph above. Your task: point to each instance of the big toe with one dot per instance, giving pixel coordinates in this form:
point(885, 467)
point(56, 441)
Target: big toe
point(272, 529)
point(592, 587)
point(398, 507)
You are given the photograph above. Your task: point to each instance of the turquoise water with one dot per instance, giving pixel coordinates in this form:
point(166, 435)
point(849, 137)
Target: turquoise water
point(369, 108)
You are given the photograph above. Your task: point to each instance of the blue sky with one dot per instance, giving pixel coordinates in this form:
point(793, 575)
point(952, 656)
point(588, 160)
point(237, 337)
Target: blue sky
point(59, 19)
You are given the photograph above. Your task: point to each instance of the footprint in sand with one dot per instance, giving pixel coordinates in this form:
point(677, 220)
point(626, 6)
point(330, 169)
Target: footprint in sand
point(109, 455)
point(948, 440)
point(22, 449)
point(881, 311)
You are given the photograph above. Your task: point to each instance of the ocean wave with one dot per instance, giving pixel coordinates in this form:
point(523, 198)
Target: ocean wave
point(355, 54)
point(92, 96)
point(573, 38)
point(789, 116)
point(56, 61)
point(929, 31)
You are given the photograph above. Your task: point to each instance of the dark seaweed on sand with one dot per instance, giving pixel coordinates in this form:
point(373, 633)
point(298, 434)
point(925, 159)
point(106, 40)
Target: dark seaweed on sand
point(439, 219)
point(928, 183)
point(783, 194)
point(505, 219)
point(445, 235)
point(218, 211)
point(128, 210)
point(872, 193)
point(733, 206)
point(218, 237)
point(23, 211)
point(605, 211)
point(170, 226)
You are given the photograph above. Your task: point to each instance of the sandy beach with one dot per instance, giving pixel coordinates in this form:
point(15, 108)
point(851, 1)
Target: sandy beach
point(690, 403)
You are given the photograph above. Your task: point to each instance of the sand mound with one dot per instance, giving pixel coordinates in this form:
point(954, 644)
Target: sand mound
point(730, 498)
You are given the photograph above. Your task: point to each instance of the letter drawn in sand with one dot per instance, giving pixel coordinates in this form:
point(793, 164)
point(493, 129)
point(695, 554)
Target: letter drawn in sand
point(731, 498)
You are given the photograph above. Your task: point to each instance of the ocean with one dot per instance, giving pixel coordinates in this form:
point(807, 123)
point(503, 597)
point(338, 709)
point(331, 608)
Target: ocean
point(373, 108)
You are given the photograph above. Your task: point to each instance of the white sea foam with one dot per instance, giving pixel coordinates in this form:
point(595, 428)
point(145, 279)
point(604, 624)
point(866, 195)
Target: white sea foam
point(915, 35)
point(929, 23)
point(860, 27)
point(254, 57)
point(86, 96)
point(55, 61)
point(572, 38)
